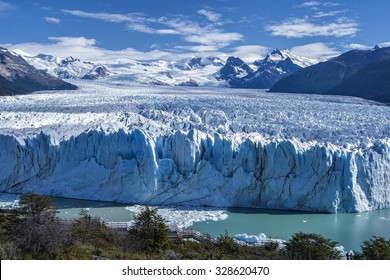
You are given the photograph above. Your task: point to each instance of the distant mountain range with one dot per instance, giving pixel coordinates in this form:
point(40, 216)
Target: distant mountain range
point(197, 71)
point(360, 73)
point(267, 72)
point(18, 77)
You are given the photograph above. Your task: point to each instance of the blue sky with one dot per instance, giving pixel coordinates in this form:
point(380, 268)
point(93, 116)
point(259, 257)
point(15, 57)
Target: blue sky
point(172, 29)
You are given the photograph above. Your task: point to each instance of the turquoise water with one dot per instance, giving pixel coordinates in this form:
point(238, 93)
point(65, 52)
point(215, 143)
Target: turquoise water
point(350, 230)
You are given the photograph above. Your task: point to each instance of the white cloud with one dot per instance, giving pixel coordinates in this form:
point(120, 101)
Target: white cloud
point(331, 4)
point(317, 3)
point(192, 32)
point(355, 46)
point(73, 41)
point(321, 14)
point(317, 50)
point(218, 39)
point(5, 6)
point(311, 4)
point(105, 16)
point(53, 20)
point(146, 29)
point(384, 44)
point(211, 16)
point(199, 49)
point(303, 27)
point(86, 49)
point(250, 53)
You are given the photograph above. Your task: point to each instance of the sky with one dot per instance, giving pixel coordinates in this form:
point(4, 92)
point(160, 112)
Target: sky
point(115, 30)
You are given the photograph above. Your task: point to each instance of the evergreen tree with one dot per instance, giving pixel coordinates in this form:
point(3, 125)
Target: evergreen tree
point(150, 231)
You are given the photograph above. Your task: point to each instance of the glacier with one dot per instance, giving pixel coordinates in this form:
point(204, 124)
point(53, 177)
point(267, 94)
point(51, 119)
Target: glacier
point(197, 147)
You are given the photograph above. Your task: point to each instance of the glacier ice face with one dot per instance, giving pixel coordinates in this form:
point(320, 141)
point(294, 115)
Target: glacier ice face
point(197, 148)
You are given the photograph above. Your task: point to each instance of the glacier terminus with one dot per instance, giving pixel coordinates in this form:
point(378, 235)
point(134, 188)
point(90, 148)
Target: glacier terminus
point(225, 147)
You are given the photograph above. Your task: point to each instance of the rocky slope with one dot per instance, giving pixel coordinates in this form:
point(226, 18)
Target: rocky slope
point(361, 73)
point(272, 68)
point(18, 77)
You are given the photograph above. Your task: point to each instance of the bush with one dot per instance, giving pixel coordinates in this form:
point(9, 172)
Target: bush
point(311, 246)
point(39, 232)
point(89, 230)
point(377, 248)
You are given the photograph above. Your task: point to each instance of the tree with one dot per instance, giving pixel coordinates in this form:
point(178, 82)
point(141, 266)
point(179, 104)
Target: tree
point(377, 248)
point(149, 230)
point(39, 233)
point(311, 246)
point(227, 246)
point(31, 205)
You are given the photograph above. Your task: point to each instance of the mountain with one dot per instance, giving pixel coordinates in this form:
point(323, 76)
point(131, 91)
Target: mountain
point(196, 71)
point(99, 71)
point(360, 73)
point(18, 77)
point(66, 68)
point(234, 70)
point(198, 63)
point(272, 68)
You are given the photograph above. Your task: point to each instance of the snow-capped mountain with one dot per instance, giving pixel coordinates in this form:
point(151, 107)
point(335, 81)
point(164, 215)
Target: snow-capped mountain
point(66, 68)
point(187, 72)
point(99, 71)
point(281, 59)
point(272, 68)
point(18, 77)
point(199, 62)
point(234, 69)
point(196, 71)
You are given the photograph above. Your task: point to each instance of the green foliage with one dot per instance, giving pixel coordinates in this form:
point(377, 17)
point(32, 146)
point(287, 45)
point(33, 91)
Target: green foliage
point(89, 230)
point(227, 246)
point(149, 231)
point(9, 221)
point(38, 232)
point(311, 246)
point(9, 251)
point(377, 248)
point(31, 205)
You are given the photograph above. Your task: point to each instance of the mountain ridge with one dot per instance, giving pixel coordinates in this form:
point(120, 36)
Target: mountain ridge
point(19, 77)
point(347, 74)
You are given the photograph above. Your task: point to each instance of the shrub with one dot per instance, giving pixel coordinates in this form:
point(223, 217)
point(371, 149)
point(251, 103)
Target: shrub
point(377, 248)
point(311, 246)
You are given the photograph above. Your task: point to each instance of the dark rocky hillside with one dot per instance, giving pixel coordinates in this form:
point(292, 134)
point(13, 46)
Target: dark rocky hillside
point(19, 77)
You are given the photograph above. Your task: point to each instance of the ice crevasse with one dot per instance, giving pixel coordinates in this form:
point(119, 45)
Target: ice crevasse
point(196, 168)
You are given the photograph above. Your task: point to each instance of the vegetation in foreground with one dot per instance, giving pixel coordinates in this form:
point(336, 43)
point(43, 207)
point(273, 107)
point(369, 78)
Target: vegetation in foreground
point(33, 231)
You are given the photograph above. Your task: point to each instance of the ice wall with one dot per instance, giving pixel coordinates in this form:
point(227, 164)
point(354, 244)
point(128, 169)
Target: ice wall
point(199, 169)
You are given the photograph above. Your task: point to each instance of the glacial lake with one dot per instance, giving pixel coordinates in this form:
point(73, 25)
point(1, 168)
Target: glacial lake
point(350, 230)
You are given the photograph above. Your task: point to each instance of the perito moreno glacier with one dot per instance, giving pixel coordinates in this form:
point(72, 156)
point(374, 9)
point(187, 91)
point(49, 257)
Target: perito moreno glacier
point(187, 146)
